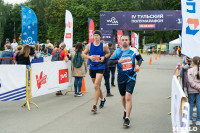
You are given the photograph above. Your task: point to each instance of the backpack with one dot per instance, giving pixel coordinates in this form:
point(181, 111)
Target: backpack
point(78, 60)
point(56, 56)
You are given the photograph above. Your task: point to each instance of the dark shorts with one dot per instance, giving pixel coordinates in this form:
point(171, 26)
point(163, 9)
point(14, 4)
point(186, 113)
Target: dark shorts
point(94, 72)
point(126, 87)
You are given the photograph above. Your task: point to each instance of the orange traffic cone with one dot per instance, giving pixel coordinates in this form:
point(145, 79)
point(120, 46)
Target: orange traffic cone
point(150, 61)
point(83, 90)
point(156, 57)
point(159, 55)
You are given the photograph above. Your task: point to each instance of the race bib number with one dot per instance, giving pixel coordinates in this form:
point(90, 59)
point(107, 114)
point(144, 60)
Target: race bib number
point(97, 58)
point(127, 64)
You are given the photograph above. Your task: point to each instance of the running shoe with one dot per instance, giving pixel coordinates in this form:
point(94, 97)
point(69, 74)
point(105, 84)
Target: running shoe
point(102, 103)
point(126, 122)
point(94, 109)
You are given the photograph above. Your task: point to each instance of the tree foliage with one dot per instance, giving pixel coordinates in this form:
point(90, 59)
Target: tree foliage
point(51, 17)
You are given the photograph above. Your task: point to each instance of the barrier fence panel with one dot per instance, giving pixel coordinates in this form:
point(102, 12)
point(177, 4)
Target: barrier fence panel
point(12, 82)
point(178, 99)
point(50, 77)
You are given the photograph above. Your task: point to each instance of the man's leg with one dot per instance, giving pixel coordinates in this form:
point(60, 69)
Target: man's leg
point(128, 101)
point(123, 102)
point(113, 75)
point(98, 93)
point(106, 76)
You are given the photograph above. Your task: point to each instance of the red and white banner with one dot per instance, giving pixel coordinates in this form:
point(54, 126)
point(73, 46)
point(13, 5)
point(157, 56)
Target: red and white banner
point(50, 77)
point(134, 40)
point(12, 82)
point(68, 37)
point(91, 29)
point(119, 34)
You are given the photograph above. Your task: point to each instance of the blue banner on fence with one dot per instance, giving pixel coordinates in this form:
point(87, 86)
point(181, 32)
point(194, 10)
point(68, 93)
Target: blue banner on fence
point(141, 20)
point(29, 26)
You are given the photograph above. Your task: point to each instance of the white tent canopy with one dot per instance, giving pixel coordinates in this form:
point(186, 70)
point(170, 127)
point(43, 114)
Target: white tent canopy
point(174, 43)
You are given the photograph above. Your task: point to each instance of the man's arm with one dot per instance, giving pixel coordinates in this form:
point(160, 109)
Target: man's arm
point(139, 59)
point(85, 53)
point(139, 62)
point(106, 50)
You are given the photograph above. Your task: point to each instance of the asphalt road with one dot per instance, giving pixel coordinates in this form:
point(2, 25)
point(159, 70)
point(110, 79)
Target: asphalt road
point(69, 114)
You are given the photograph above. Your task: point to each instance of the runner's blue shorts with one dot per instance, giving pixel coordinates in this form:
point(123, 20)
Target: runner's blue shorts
point(126, 87)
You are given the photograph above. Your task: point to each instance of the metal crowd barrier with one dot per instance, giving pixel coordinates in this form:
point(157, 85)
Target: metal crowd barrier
point(7, 60)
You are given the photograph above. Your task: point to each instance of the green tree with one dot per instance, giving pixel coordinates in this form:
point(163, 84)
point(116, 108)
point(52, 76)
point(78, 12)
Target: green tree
point(56, 19)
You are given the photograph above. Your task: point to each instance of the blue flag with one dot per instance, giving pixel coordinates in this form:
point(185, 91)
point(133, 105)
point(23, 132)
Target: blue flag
point(29, 26)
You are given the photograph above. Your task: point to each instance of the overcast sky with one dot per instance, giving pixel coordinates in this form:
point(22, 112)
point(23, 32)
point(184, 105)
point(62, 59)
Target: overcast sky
point(14, 1)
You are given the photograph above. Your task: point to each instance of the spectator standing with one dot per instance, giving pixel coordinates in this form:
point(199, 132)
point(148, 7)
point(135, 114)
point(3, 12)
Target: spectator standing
point(14, 45)
point(16, 52)
point(59, 54)
point(79, 68)
point(7, 53)
point(194, 89)
point(112, 68)
point(49, 43)
point(23, 57)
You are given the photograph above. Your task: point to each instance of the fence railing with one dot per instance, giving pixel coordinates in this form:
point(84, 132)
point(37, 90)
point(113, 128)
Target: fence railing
point(7, 60)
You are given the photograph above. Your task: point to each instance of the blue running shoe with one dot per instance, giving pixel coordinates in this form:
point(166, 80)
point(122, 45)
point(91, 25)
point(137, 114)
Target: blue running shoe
point(94, 109)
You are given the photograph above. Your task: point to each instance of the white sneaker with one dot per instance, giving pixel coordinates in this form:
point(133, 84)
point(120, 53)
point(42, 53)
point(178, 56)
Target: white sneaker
point(197, 123)
point(190, 122)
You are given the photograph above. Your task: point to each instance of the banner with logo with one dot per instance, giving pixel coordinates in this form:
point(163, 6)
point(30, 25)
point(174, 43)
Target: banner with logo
point(177, 95)
point(107, 36)
point(68, 37)
point(91, 29)
point(29, 26)
point(190, 29)
point(50, 77)
point(134, 40)
point(12, 82)
point(119, 34)
point(141, 20)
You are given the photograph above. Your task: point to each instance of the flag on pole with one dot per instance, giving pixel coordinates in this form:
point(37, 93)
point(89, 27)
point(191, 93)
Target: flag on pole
point(119, 34)
point(134, 40)
point(91, 29)
point(29, 26)
point(190, 28)
point(68, 37)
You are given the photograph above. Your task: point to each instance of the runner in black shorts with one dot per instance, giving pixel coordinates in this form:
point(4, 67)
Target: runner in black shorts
point(96, 57)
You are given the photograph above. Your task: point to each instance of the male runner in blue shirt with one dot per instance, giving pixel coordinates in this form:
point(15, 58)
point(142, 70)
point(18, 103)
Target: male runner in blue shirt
point(125, 59)
point(96, 57)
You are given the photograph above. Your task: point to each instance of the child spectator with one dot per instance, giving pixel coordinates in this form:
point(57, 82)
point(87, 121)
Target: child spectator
point(45, 53)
